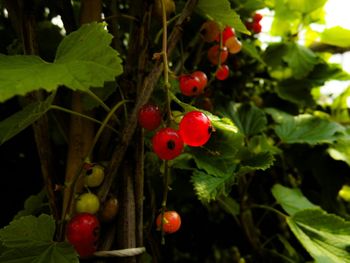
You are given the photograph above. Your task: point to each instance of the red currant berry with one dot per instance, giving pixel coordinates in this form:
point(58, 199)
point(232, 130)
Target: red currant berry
point(171, 222)
point(209, 31)
point(203, 79)
point(257, 17)
point(167, 144)
point(249, 25)
point(233, 45)
point(190, 85)
point(195, 128)
point(149, 117)
point(222, 73)
point(226, 34)
point(256, 27)
point(214, 52)
point(83, 232)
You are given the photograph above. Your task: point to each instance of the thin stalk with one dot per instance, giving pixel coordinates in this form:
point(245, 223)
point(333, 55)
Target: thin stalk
point(169, 117)
point(103, 125)
point(56, 107)
point(165, 197)
point(101, 102)
point(270, 209)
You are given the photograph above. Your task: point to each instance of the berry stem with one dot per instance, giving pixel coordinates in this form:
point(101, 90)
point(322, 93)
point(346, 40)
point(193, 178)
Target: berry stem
point(56, 107)
point(103, 125)
point(165, 60)
point(101, 102)
point(165, 197)
point(167, 94)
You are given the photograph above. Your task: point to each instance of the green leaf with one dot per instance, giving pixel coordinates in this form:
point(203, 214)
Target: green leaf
point(23, 118)
point(323, 72)
point(52, 253)
point(250, 49)
point(300, 59)
point(28, 231)
point(296, 91)
point(258, 155)
point(221, 12)
point(249, 118)
point(230, 205)
point(340, 151)
point(222, 124)
point(274, 53)
point(33, 205)
point(84, 59)
point(305, 6)
point(218, 157)
point(256, 161)
point(309, 129)
point(291, 199)
point(29, 239)
point(325, 236)
point(208, 187)
point(336, 36)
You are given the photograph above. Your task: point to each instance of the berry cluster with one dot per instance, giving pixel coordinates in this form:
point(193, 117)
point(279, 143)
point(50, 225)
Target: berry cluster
point(210, 32)
point(254, 25)
point(194, 129)
point(83, 228)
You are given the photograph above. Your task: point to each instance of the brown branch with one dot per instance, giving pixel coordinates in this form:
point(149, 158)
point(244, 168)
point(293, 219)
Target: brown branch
point(126, 237)
point(81, 131)
point(27, 29)
point(146, 91)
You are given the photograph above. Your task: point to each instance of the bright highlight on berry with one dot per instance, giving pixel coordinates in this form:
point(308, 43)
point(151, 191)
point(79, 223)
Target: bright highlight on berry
point(167, 144)
point(195, 128)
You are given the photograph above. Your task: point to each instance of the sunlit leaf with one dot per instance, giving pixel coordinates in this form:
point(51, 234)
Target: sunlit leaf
point(300, 59)
point(84, 59)
point(249, 119)
point(325, 236)
point(221, 12)
point(305, 6)
point(337, 36)
point(306, 128)
point(291, 199)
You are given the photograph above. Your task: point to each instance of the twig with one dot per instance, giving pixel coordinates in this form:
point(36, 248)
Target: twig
point(145, 94)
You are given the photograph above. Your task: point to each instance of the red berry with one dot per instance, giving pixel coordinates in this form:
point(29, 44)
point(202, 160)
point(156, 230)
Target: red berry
point(149, 117)
point(257, 17)
point(214, 52)
point(226, 34)
point(256, 27)
point(171, 222)
point(83, 232)
point(203, 79)
point(195, 128)
point(233, 45)
point(209, 31)
point(167, 144)
point(249, 25)
point(222, 73)
point(190, 85)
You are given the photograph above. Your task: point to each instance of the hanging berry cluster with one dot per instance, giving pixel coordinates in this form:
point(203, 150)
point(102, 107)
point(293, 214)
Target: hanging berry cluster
point(225, 43)
point(254, 24)
point(194, 130)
